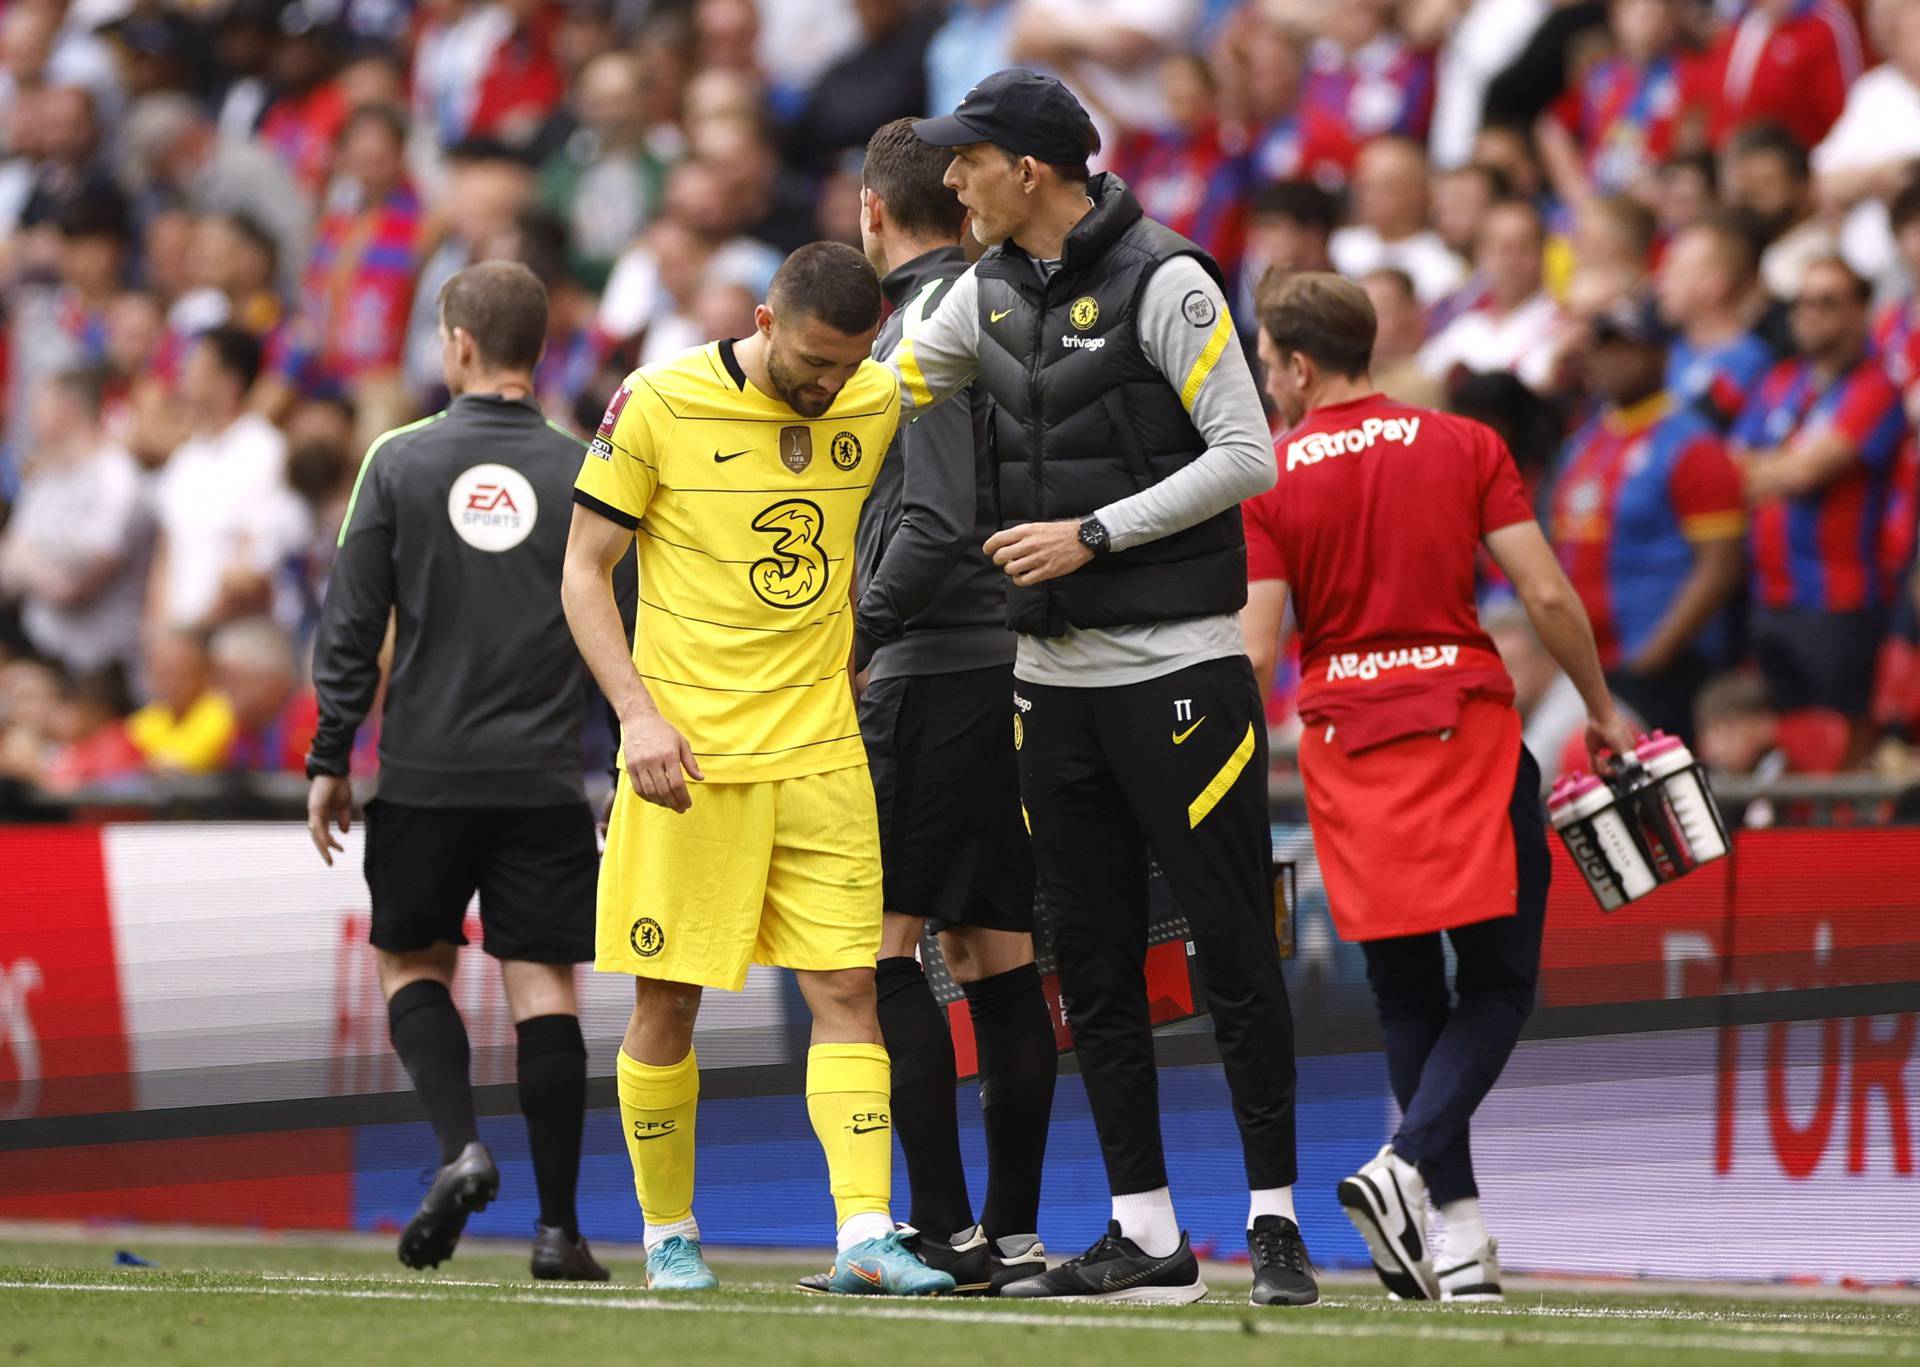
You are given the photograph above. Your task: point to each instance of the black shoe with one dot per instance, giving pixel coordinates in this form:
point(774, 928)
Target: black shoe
point(556, 1258)
point(1015, 1258)
point(1115, 1269)
point(967, 1258)
point(1282, 1273)
point(463, 1186)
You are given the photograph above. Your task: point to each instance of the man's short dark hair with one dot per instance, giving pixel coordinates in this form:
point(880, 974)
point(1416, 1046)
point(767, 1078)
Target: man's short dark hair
point(85, 385)
point(388, 117)
point(829, 281)
point(236, 351)
point(1736, 238)
point(1764, 138)
point(1324, 316)
point(906, 173)
point(1904, 207)
point(1304, 202)
point(1074, 173)
point(97, 212)
point(1401, 281)
point(257, 236)
point(1700, 164)
point(1861, 286)
point(501, 305)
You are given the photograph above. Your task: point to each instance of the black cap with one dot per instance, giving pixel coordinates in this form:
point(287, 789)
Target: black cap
point(1028, 114)
point(1634, 318)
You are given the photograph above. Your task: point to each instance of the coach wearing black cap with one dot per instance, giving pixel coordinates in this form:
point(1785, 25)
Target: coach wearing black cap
point(1127, 431)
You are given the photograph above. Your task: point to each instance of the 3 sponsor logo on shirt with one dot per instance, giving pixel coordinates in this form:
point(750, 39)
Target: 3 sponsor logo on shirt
point(492, 507)
point(1369, 666)
point(1317, 446)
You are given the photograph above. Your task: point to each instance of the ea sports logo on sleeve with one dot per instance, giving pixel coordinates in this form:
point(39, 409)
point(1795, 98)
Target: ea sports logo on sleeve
point(492, 507)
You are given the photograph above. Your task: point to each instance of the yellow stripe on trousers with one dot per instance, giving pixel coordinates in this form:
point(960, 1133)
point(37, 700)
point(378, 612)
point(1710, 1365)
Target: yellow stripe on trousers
point(1217, 786)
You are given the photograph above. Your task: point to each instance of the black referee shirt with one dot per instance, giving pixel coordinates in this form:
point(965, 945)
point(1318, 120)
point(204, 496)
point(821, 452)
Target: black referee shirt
point(458, 527)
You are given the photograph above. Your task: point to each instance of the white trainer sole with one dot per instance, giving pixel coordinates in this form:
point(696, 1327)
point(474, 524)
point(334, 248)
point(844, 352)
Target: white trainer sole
point(1368, 1212)
point(1138, 1295)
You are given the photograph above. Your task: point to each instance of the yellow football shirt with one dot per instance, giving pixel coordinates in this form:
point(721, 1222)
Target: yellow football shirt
point(744, 513)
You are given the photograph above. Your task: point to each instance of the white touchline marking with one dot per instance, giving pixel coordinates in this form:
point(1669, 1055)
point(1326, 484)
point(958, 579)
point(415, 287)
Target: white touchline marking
point(1282, 1323)
point(1839, 1320)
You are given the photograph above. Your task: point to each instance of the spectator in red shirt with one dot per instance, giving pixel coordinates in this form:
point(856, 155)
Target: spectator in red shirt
point(352, 318)
point(1784, 61)
point(1817, 443)
point(1415, 774)
point(1610, 131)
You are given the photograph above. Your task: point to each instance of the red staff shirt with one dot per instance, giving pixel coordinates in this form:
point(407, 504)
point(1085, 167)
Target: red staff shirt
point(1411, 743)
point(1374, 524)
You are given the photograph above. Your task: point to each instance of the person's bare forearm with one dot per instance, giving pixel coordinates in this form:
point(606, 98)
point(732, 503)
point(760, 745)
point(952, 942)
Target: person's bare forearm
point(1712, 580)
point(1562, 626)
point(586, 594)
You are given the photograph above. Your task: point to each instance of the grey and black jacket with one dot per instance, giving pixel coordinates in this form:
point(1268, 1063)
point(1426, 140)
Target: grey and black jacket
point(931, 601)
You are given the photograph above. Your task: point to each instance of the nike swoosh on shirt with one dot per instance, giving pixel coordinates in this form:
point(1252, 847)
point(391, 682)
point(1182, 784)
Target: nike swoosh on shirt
point(1180, 737)
point(719, 459)
point(996, 317)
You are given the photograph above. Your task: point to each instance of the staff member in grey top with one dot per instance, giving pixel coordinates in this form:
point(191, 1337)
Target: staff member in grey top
point(1127, 431)
point(456, 532)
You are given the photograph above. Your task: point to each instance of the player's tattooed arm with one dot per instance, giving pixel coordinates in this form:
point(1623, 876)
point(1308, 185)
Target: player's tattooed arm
point(658, 758)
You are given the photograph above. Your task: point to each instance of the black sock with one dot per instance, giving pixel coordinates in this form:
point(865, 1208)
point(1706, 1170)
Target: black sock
point(553, 1097)
point(924, 1114)
point(1013, 1031)
point(431, 1040)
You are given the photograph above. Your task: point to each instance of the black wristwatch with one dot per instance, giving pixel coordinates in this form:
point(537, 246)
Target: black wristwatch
point(1093, 535)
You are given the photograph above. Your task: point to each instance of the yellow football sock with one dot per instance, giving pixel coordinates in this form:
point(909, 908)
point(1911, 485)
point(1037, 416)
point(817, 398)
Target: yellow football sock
point(848, 1091)
point(656, 1110)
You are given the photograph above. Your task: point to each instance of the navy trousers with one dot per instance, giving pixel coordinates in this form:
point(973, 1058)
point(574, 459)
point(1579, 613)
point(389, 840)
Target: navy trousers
point(1445, 1051)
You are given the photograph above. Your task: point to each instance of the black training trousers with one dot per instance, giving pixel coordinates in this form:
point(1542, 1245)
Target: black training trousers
point(1175, 766)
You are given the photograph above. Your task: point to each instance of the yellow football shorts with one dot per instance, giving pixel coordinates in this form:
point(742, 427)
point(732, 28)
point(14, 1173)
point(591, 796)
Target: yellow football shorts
point(785, 873)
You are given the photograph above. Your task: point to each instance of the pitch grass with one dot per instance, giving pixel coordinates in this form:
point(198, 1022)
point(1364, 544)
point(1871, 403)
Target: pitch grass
point(271, 1303)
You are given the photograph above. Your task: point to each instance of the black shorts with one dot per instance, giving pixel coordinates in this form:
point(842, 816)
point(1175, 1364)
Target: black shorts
point(953, 845)
point(535, 868)
point(1817, 659)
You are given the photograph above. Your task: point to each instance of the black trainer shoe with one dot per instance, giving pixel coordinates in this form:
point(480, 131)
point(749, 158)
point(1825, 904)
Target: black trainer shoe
point(967, 1257)
point(1282, 1272)
point(1115, 1269)
point(463, 1186)
point(557, 1258)
point(1015, 1258)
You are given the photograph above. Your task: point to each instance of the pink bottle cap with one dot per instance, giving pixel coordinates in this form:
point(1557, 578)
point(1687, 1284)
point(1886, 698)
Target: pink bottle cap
point(1659, 743)
point(1570, 787)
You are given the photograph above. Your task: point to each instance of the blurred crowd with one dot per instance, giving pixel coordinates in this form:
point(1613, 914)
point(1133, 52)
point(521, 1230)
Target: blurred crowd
point(1666, 247)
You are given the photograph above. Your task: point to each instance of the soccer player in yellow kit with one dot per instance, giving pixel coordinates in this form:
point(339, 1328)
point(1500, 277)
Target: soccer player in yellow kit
point(744, 830)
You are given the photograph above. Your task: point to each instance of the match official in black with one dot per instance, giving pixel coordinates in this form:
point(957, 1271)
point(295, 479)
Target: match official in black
point(456, 533)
